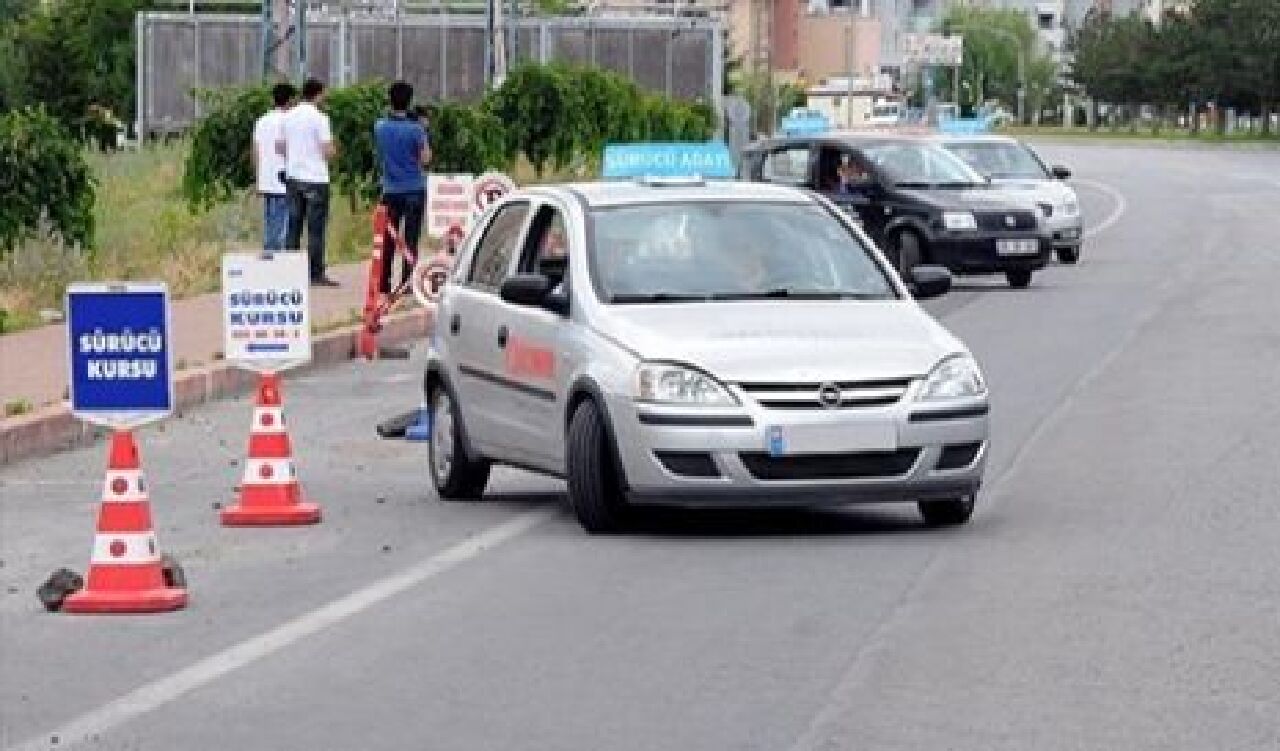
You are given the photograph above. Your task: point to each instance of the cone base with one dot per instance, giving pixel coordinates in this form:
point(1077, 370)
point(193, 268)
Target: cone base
point(158, 600)
point(271, 516)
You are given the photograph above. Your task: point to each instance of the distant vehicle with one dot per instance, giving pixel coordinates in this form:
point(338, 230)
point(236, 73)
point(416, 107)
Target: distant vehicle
point(917, 201)
point(698, 344)
point(1015, 166)
point(888, 112)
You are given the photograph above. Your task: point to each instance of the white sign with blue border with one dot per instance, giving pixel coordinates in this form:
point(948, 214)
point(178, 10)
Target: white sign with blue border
point(805, 122)
point(710, 159)
point(119, 351)
point(266, 318)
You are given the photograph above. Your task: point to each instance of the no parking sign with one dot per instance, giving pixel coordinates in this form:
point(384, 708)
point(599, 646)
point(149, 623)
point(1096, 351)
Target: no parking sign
point(488, 189)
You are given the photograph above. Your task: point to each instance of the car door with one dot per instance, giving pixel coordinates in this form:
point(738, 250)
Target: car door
point(863, 199)
point(471, 328)
point(535, 342)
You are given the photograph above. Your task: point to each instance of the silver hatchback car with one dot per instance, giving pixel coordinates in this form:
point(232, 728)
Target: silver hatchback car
point(683, 343)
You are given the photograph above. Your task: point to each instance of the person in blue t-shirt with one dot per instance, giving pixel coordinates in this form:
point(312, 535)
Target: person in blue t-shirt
point(404, 148)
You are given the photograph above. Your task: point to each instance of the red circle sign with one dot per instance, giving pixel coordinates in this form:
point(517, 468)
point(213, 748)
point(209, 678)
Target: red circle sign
point(490, 187)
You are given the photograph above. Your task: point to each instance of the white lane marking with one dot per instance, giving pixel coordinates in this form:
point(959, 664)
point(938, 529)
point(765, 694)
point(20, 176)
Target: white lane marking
point(857, 672)
point(165, 690)
point(1121, 205)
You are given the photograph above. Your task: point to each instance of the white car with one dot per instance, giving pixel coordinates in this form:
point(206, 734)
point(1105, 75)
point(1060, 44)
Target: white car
point(1013, 165)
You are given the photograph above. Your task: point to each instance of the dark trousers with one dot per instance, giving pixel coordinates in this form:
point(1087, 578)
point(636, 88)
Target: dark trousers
point(405, 211)
point(309, 207)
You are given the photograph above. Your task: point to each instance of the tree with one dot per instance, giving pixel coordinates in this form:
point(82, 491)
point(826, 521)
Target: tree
point(993, 41)
point(46, 188)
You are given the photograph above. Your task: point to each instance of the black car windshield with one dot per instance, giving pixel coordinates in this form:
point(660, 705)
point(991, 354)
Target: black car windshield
point(1000, 160)
point(715, 251)
point(911, 164)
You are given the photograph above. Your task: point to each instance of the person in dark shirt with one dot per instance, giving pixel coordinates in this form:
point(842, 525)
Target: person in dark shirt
point(404, 148)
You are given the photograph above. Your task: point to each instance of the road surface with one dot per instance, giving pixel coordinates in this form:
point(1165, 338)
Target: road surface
point(1116, 589)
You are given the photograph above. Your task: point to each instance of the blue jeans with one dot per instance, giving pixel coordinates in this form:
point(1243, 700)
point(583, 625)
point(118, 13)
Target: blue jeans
point(309, 209)
point(275, 220)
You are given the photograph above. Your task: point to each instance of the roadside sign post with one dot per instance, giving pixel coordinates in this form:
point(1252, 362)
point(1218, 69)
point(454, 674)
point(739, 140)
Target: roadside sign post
point(266, 319)
point(121, 362)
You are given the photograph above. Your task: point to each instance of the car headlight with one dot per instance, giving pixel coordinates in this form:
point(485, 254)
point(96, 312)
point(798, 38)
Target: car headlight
point(959, 220)
point(956, 377)
point(676, 384)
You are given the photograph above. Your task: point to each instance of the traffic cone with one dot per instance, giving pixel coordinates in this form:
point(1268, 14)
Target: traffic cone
point(421, 429)
point(270, 494)
point(126, 574)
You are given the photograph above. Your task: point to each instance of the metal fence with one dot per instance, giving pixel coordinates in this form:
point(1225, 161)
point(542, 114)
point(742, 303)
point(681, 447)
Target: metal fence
point(442, 56)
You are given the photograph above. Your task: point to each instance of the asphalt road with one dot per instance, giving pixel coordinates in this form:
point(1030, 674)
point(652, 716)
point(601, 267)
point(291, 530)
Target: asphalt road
point(1117, 588)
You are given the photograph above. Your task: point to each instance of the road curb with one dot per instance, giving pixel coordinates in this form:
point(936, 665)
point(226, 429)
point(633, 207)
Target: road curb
point(53, 428)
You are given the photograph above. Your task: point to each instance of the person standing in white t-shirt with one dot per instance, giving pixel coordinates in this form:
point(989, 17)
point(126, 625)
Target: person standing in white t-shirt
point(308, 147)
point(269, 165)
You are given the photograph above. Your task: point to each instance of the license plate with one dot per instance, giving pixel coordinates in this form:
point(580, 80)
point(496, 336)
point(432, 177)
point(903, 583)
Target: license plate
point(1017, 247)
point(825, 438)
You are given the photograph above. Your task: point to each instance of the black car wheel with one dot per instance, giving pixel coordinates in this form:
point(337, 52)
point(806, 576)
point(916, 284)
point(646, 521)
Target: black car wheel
point(947, 513)
point(907, 244)
point(595, 484)
point(1018, 278)
point(455, 475)
point(1069, 255)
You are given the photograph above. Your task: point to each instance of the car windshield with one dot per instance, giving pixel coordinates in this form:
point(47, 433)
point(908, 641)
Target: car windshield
point(714, 251)
point(1000, 160)
point(921, 165)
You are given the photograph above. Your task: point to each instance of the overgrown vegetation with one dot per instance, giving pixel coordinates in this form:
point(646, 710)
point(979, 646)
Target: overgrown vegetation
point(46, 190)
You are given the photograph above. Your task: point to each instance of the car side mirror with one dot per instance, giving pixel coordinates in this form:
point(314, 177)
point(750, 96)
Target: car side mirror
point(1061, 173)
point(927, 282)
point(526, 289)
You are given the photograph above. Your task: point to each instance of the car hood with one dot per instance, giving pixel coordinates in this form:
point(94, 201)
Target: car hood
point(969, 199)
point(787, 341)
point(1052, 191)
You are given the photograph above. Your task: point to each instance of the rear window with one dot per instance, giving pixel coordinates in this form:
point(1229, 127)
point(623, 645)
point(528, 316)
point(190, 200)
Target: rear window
point(730, 250)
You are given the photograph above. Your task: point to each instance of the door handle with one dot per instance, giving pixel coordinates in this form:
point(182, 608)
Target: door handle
point(455, 324)
point(502, 337)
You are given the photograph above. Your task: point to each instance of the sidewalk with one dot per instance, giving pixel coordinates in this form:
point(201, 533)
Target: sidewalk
point(33, 363)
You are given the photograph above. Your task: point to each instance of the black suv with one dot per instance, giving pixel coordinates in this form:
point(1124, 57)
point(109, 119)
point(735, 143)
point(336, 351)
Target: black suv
point(919, 202)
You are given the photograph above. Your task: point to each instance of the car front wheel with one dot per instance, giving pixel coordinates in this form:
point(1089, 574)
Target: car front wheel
point(595, 484)
point(1018, 278)
point(455, 475)
point(909, 253)
point(950, 512)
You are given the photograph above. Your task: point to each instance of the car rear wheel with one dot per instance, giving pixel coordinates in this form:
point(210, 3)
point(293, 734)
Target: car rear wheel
point(1018, 278)
point(947, 513)
point(907, 244)
point(1069, 255)
point(595, 484)
point(456, 476)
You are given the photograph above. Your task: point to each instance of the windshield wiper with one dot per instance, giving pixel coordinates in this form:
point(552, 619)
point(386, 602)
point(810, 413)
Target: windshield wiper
point(800, 294)
point(646, 297)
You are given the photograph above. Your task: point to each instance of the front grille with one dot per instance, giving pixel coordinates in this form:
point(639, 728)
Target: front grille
point(688, 463)
point(834, 395)
point(998, 221)
point(958, 456)
point(830, 466)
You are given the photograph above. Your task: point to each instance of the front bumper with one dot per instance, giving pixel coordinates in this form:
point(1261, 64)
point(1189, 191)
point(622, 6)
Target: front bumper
point(1065, 232)
point(976, 252)
point(732, 458)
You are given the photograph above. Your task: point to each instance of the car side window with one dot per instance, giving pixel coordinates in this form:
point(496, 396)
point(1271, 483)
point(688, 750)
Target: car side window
point(788, 165)
point(500, 243)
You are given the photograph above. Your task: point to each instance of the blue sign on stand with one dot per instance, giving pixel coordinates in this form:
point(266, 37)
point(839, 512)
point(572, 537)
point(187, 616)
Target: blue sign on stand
point(710, 159)
point(120, 354)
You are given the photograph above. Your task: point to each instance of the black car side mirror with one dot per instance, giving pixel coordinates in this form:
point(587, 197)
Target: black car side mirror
point(1061, 173)
point(927, 282)
point(526, 289)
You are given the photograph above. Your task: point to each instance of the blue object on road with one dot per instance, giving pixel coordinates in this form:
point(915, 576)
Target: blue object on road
point(120, 354)
point(420, 430)
point(710, 159)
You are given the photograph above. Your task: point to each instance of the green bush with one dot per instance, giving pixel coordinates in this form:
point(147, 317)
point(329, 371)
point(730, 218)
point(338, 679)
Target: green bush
point(352, 112)
point(218, 164)
point(465, 139)
point(46, 188)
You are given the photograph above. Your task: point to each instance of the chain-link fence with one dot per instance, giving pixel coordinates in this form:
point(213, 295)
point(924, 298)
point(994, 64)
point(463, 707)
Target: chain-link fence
point(442, 56)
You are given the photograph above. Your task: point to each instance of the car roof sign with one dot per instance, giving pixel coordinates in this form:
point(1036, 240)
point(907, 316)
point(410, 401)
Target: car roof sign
point(805, 122)
point(649, 161)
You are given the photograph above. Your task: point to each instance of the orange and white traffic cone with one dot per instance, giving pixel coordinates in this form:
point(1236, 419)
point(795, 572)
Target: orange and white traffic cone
point(270, 493)
point(126, 574)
